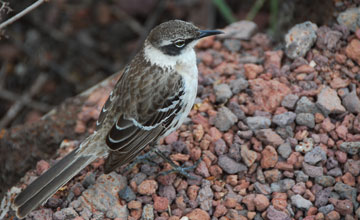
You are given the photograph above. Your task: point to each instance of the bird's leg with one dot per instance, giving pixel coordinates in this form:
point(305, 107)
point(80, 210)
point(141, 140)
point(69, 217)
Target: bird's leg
point(145, 158)
point(175, 168)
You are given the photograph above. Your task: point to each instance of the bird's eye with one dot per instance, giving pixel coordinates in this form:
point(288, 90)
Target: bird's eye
point(179, 43)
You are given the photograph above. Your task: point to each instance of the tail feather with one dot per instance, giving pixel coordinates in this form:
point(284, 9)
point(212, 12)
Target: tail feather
point(41, 189)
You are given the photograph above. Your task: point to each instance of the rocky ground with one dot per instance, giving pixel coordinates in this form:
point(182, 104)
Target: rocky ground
point(278, 132)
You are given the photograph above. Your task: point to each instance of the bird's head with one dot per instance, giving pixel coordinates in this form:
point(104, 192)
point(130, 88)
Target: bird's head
point(175, 37)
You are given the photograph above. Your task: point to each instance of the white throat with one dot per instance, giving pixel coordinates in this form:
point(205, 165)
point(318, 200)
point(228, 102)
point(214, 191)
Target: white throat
point(187, 59)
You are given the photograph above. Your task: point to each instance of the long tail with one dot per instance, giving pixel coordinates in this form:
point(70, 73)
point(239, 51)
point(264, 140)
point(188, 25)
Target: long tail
point(41, 189)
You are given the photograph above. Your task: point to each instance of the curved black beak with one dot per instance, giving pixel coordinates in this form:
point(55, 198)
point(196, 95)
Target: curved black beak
point(206, 33)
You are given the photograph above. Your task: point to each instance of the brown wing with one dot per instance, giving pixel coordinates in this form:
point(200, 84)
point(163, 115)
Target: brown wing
point(145, 106)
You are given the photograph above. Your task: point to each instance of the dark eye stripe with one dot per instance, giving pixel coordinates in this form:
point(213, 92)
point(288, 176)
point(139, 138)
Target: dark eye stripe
point(173, 50)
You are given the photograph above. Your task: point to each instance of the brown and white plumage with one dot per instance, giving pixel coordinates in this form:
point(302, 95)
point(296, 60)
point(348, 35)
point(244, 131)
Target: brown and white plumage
point(151, 99)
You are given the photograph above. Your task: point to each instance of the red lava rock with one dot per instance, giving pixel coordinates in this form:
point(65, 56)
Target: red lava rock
point(312, 211)
point(273, 59)
point(192, 192)
point(327, 125)
point(272, 175)
point(160, 203)
point(215, 171)
point(268, 94)
point(261, 202)
point(338, 83)
point(344, 207)
point(198, 132)
point(202, 169)
point(279, 201)
point(342, 131)
point(248, 200)
point(284, 166)
point(304, 69)
point(341, 156)
point(215, 134)
point(269, 157)
point(134, 204)
point(171, 138)
point(252, 70)
point(220, 210)
point(333, 215)
point(232, 180)
point(147, 187)
point(41, 167)
point(197, 214)
point(230, 203)
point(180, 157)
point(353, 50)
point(348, 179)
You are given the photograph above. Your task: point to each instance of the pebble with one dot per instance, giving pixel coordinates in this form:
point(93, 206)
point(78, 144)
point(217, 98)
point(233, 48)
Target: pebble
point(269, 137)
point(300, 39)
point(301, 176)
point(258, 122)
point(300, 202)
point(312, 171)
point(225, 119)
point(205, 196)
point(160, 203)
point(351, 148)
point(314, 156)
point(248, 200)
point(147, 187)
point(289, 101)
point(350, 18)
point(198, 214)
point(286, 184)
point(352, 50)
point(326, 209)
point(41, 167)
point(238, 85)
point(127, 194)
point(222, 93)
point(65, 213)
point(322, 197)
point(220, 210)
point(273, 214)
point(333, 215)
point(327, 38)
point(344, 207)
point(284, 150)
point(306, 119)
point(329, 102)
point(89, 180)
point(230, 166)
point(299, 188)
point(235, 108)
point(269, 157)
point(305, 146)
point(233, 45)
point(252, 70)
point(248, 156)
point(352, 166)
point(241, 30)
point(325, 181)
point(346, 191)
point(42, 214)
point(335, 172)
point(284, 119)
point(304, 105)
point(148, 212)
point(261, 202)
point(352, 102)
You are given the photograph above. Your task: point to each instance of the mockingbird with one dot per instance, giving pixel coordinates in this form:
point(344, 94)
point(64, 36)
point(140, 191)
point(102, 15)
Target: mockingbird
point(151, 99)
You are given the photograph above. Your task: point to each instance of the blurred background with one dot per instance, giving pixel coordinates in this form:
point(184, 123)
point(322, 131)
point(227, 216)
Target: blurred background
point(64, 47)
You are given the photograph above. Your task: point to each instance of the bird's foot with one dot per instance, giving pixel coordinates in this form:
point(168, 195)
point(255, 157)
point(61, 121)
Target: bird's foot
point(145, 158)
point(178, 169)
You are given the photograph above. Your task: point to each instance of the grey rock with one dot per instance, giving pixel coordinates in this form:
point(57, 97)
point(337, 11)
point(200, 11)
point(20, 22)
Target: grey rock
point(222, 92)
point(258, 122)
point(286, 184)
point(306, 119)
point(289, 101)
point(86, 214)
point(312, 171)
point(286, 132)
point(139, 178)
point(225, 119)
point(262, 188)
point(148, 212)
point(107, 186)
point(89, 180)
point(322, 197)
point(168, 192)
point(346, 192)
point(220, 147)
point(326, 209)
point(300, 203)
point(300, 39)
point(238, 85)
point(233, 45)
point(260, 175)
point(45, 214)
point(275, 187)
point(304, 105)
point(231, 166)
point(245, 134)
point(352, 148)
point(274, 214)
point(335, 172)
point(65, 213)
point(241, 30)
point(331, 163)
point(329, 102)
point(205, 195)
point(327, 39)
point(235, 108)
point(352, 166)
point(127, 194)
point(325, 181)
point(301, 176)
point(352, 102)
point(314, 156)
point(284, 119)
point(284, 150)
point(269, 137)
point(350, 18)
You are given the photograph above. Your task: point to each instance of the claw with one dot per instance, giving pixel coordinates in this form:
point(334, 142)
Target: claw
point(145, 158)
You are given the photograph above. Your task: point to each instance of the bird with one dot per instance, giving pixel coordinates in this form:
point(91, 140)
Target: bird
point(150, 100)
